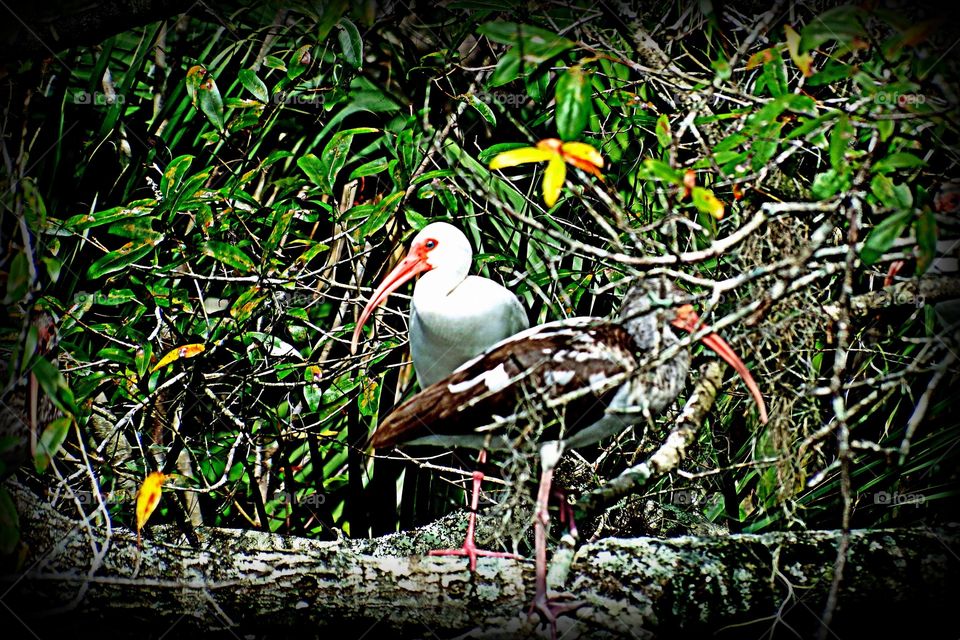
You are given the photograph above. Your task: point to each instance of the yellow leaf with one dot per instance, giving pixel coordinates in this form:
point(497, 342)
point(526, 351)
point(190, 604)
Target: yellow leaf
point(804, 62)
point(148, 497)
point(582, 152)
point(760, 58)
point(704, 200)
point(553, 180)
point(520, 156)
point(186, 351)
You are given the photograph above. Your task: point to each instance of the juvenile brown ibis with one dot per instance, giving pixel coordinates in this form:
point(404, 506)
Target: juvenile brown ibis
point(454, 316)
point(605, 376)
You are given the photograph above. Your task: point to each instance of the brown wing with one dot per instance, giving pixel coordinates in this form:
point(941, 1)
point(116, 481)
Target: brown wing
point(576, 363)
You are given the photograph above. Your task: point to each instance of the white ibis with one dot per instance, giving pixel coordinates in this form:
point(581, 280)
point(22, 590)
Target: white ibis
point(607, 376)
point(454, 316)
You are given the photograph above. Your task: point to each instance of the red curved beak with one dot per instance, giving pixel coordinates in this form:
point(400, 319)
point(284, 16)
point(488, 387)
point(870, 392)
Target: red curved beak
point(406, 269)
point(688, 320)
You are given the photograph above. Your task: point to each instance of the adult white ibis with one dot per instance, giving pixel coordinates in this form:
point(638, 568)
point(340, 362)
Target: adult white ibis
point(605, 376)
point(453, 316)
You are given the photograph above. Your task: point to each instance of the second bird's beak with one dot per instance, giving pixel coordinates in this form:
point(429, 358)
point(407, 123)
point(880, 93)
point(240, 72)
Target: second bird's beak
point(688, 320)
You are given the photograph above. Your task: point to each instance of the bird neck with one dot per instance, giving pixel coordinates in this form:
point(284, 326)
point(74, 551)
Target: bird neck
point(646, 331)
point(434, 286)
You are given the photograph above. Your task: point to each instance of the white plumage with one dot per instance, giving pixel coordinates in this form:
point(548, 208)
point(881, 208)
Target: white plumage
point(454, 316)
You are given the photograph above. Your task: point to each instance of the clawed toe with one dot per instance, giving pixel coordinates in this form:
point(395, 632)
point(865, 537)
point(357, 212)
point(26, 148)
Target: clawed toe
point(551, 607)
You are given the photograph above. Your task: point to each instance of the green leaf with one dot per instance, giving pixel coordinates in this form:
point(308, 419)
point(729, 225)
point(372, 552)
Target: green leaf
point(773, 78)
point(894, 196)
point(489, 153)
point(282, 219)
point(316, 171)
point(369, 168)
point(766, 144)
point(882, 236)
point(173, 175)
point(90, 220)
point(137, 229)
point(925, 228)
point(885, 128)
point(9, 522)
point(228, 254)
point(574, 103)
point(211, 103)
point(431, 175)
point(882, 188)
point(659, 170)
point(841, 139)
point(18, 278)
point(664, 137)
point(312, 394)
point(54, 385)
point(538, 44)
point(246, 303)
point(536, 84)
point(383, 212)
point(142, 359)
point(253, 84)
point(350, 43)
point(300, 61)
point(507, 69)
point(828, 183)
point(895, 161)
point(841, 24)
point(50, 442)
point(338, 149)
point(119, 259)
point(831, 72)
point(369, 399)
point(772, 110)
point(328, 14)
point(483, 109)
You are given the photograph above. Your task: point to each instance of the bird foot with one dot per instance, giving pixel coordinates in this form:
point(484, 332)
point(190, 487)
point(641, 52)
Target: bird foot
point(551, 607)
point(472, 552)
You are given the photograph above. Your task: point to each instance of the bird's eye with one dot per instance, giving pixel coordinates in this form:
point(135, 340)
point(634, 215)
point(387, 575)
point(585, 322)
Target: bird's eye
point(430, 244)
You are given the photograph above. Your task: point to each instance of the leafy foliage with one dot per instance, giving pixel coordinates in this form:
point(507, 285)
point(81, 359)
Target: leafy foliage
point(207, 223)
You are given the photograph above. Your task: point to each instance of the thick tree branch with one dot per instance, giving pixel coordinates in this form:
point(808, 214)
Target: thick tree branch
point(257, 582)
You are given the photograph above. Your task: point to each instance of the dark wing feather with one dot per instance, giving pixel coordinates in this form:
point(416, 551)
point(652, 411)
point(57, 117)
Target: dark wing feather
point(570, 362)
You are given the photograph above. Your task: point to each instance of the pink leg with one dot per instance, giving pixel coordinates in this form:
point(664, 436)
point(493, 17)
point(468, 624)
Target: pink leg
point(540, 543)
point(550, 610)
point(469, 548)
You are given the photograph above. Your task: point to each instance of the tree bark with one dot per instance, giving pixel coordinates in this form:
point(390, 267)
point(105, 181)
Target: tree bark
point(253, 582)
